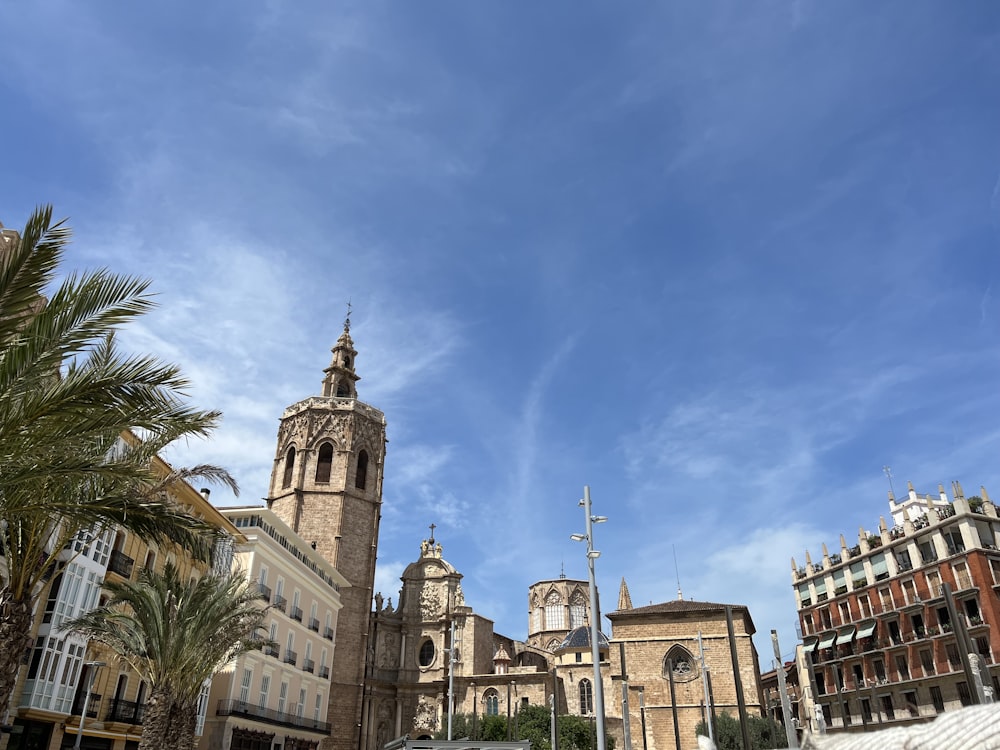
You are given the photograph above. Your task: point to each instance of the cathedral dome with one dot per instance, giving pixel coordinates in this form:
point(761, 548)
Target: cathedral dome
point(580, 638)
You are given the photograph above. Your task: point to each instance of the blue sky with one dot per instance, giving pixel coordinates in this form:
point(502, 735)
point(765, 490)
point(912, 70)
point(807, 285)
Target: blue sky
point(721, 261)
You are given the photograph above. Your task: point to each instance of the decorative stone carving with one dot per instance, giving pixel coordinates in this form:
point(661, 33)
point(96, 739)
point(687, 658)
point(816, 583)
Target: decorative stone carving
point(426, 715)
point(430, 603)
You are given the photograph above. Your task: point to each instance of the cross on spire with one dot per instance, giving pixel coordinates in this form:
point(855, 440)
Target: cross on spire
point(432, 532)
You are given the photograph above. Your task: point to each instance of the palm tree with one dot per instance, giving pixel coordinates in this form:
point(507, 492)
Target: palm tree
point(176, 635)
point(68, 397)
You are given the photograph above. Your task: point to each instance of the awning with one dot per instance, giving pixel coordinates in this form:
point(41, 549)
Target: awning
point(827, 640)
point(809, 644)
point(845, 635)
point(867, 629)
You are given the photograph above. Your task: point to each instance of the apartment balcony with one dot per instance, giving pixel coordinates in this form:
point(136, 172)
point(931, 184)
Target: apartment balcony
point(121, 564)
point(125, 712)
point(296, 614)
point(290, 657)
point(92, 708)
point(308, 665)
point(271, 650)
point(264, 591)
point(279, 602)
point(314, 624)
point(324, 672)
point(328, 634)
point(270, 716)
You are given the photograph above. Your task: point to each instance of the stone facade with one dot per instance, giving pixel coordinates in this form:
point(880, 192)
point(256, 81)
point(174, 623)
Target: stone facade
point(327, 487)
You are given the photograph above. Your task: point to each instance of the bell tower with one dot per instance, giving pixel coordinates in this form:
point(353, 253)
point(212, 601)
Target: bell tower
point(326, 484)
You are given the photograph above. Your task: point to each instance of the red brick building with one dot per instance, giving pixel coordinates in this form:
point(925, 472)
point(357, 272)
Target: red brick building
point(881, 645)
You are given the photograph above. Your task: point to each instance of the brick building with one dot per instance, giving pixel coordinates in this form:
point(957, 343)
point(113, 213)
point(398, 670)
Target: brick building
point(882, 640)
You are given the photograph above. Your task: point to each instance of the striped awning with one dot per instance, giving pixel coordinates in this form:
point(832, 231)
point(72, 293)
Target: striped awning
point(845, 635)
point(867, 629)
point(827, 640)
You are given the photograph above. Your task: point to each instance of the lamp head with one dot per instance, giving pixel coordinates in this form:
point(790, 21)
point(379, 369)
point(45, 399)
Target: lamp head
point(578, 537)
point(598, 519)
point(593, 554)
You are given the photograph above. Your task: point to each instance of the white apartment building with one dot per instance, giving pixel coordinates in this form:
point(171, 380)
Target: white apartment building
point(277, 698)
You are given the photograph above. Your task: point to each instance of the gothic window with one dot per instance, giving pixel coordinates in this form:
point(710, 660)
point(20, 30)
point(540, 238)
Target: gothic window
point(361, 476)
point(681, 661)
point(577, 615)
point(289, 467)
point(426, 653)
point(586, 698)
point(492, 700)
point(324, 463)
point(555, 612)
point(342, 390)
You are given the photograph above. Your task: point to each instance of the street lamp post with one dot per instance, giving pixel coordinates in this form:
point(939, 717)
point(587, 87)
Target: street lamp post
point(592, 555)
point(91, 674)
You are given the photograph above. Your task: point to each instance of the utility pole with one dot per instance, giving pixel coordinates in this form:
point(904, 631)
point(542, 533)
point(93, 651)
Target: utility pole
point(704, 682)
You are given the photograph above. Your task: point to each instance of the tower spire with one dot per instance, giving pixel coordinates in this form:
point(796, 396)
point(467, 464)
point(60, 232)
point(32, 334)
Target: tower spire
point(624, 598)
point(340, 377)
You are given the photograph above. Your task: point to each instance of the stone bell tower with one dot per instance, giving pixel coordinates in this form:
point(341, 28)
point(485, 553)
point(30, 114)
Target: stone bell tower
point(327, 486)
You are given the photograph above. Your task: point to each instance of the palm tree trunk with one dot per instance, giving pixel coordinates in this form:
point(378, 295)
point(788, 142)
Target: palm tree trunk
point(167, 724)
point(15, 635)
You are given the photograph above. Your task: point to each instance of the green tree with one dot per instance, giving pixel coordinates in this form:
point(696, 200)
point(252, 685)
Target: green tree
point(175, 634)
point(764, 733)
point(67, 397)
point(529, 723)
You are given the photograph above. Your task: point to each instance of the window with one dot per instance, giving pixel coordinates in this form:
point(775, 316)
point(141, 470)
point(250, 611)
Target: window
point(318, 710)
point(820, 585)
point(962, 579)
point(577, 615)
point(937, 699)
point(579, 657)
point(917, 624)
point(954, 541)
point(202, 707)
point(361, 475)
point(555, 612)
point(839, 582)
point(880, 567)
point(879, 667)
point(910, 591)
point(865, 605)
point(681, 661)
point(927, 662)
point(300, 707)
point(927, 552)
point(245, 685)
point(586, 698)
point(982, 644)
point(903, 667)
point(903, 561)
point(824, 616)
point(265, 685)
point(426, 657)
point(954, 660)
point(995, 569)
point(866, 710)
point(324, 462)
point(859, 675)
point(845, 612)
point(887, 707)
point(289, 467)
point(282, 697)
point(910, 699)
point(859, 579)
point(885, 599)
point(491, 698)
point(963, 693)
point(934, 583)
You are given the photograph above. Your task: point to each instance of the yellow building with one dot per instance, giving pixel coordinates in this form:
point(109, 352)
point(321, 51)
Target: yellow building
point(51, 688)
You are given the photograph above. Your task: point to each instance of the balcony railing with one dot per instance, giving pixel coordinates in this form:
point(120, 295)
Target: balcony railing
point(296, 614)
point(264, 591)
point(126, 712)
point(308, 665)
point(271, 650)
point(290, 657)
point(92, 708)
point(314, 624)
point(121, 563)
point(280, 602)
point(324, 672)
point(328, 634)
point(270, 716)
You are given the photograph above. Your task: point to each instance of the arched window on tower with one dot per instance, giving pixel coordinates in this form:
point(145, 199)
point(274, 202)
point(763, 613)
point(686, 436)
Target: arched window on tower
point(324, 463)
point(289, 467)
point(491, 698)
point(586, 698)
point(361, 476)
